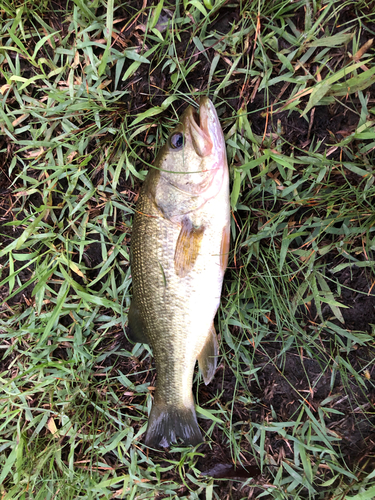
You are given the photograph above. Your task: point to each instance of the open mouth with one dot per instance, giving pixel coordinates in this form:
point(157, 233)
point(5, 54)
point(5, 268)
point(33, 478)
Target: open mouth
point(204, 128)
point(199, 120)
point(195, 116)
point(200, 133)
point(196, 122)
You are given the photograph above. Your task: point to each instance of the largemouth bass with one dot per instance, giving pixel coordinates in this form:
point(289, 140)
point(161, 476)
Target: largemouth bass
point(179, 252)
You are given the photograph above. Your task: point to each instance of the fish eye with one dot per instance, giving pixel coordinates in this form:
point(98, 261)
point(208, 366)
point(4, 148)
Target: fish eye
point(177, 140)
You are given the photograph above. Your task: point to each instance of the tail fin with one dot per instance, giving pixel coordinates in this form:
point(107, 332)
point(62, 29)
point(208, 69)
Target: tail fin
point(167, 423)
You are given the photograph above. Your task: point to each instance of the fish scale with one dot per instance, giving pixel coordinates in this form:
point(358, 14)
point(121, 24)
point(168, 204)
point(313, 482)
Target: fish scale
point(178, 266)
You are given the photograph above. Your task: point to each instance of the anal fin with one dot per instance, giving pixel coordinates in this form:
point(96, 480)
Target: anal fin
point(207, 359)
point(136, 327)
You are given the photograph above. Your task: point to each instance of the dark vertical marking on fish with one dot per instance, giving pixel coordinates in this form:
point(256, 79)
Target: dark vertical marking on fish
point(136, 330)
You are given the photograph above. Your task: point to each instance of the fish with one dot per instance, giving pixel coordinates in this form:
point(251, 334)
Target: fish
point(179, 252)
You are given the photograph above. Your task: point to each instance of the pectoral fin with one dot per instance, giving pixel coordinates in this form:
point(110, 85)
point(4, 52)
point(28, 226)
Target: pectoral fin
point(187, 248)
point(136, 327)
point(207, 359)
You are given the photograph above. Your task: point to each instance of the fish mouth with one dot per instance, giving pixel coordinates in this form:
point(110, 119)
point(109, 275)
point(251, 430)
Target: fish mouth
point(204, 133)
point(198, 131)
point(205, 129)
point(195, 117)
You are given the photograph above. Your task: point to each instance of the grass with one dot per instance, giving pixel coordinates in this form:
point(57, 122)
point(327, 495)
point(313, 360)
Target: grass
point(89, 92)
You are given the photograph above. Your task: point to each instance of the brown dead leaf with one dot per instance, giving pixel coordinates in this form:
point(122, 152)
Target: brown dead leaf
point(76, 60)
point(357, 56)
point(4, 88)
point(71, 156)
point(20, 119)
point(34, 154)
point(331, 150)
point(105, 84)
point(52, 426)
